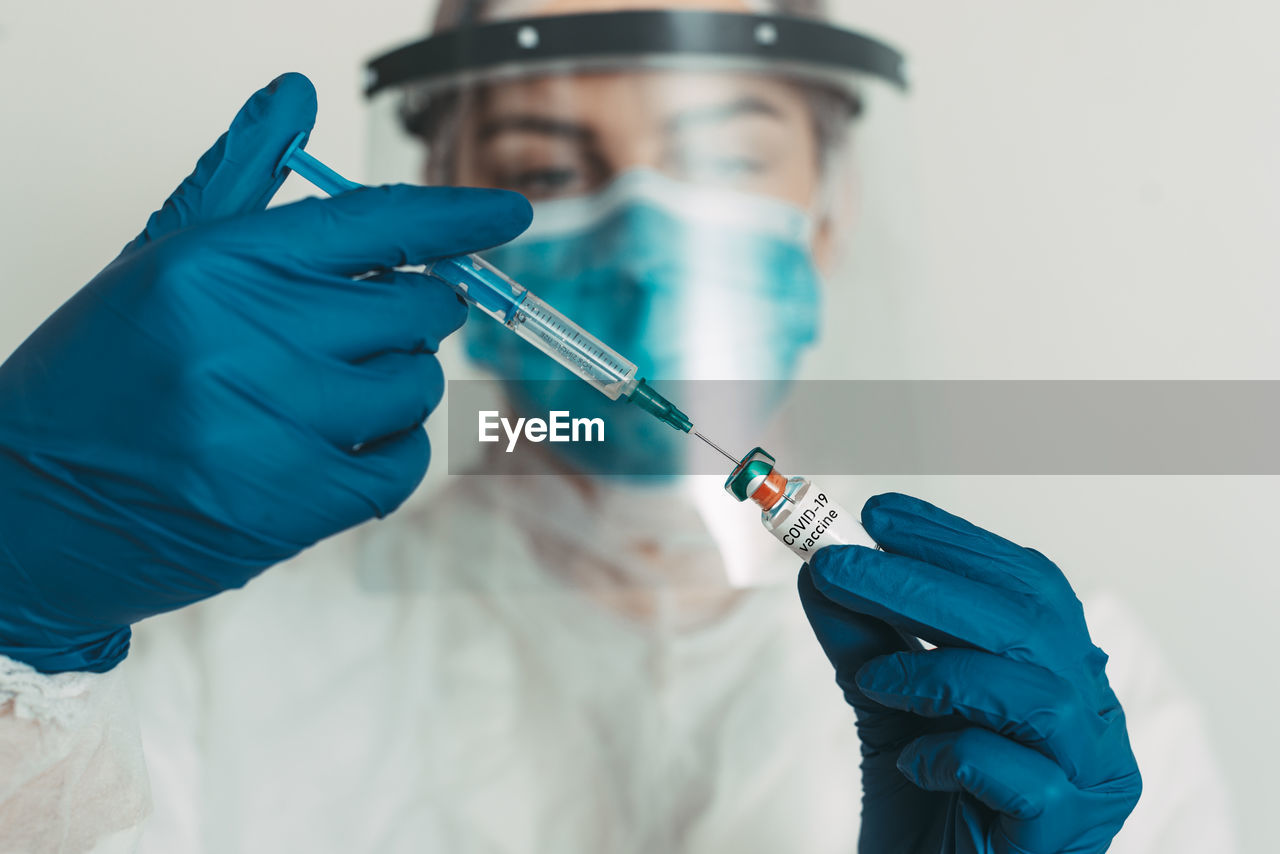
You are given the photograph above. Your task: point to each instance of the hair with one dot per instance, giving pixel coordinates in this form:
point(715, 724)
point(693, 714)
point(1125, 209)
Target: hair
point(435, 119)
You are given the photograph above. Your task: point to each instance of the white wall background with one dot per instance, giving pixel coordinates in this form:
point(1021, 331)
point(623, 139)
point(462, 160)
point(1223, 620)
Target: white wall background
point(1099, 197)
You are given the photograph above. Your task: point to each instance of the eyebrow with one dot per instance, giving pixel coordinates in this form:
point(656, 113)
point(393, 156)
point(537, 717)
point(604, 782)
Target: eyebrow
point(526, 123)
point(748, 105)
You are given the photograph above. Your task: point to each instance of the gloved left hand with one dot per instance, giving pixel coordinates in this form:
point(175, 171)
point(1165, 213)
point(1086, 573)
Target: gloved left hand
point(1007, 738)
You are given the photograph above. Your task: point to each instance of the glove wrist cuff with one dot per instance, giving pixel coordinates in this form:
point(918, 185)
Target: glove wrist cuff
point(44, 697)
point(96, 653)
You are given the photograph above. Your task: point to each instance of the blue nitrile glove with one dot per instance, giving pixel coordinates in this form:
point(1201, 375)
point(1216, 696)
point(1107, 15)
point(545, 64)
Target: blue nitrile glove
point(225, 393)
point(1005, 739)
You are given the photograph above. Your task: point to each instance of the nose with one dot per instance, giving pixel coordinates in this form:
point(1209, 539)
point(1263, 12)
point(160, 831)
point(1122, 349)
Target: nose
point(632, 138)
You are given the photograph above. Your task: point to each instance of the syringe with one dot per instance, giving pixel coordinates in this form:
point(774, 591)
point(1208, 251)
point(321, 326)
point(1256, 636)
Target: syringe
point(490, 290)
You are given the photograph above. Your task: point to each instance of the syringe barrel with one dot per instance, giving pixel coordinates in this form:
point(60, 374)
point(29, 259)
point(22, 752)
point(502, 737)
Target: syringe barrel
point(512, 305)
point(489, 289)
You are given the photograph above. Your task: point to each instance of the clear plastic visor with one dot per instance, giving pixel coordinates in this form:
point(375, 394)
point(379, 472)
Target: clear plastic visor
point(772, 143)
point(551, 132)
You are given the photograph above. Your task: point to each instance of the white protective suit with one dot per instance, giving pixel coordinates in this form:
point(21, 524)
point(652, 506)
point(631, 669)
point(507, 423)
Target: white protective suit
point(423, 684)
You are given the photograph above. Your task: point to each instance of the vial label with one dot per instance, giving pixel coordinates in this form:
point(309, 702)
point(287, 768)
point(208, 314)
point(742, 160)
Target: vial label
point(815, 521)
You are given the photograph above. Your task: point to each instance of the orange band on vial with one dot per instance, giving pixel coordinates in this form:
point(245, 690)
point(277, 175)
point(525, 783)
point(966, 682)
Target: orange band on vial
point(769, 492)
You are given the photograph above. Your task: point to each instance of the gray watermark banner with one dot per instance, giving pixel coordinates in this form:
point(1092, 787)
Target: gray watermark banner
point(934, 427)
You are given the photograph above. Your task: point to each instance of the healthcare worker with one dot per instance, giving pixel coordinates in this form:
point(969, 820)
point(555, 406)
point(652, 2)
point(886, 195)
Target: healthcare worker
point(555, 655)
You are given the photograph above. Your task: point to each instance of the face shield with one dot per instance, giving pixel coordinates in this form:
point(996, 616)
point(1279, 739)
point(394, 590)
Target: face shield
point(699, 180)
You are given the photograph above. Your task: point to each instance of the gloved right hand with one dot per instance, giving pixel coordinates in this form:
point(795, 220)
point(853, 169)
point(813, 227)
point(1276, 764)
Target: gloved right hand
point(1006, 738)
point(225, 393)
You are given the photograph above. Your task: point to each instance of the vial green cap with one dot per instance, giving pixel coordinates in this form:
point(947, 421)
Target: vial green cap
point(750, 471)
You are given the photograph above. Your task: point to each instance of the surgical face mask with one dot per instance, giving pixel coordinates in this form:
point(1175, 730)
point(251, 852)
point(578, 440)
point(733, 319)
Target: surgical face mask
point(688, 282)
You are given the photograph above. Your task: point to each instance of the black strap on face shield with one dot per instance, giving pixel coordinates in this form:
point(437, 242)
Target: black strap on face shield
point(806, 47)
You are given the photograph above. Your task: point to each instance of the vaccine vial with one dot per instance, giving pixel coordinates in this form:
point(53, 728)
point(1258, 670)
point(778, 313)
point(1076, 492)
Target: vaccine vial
point(802, 515)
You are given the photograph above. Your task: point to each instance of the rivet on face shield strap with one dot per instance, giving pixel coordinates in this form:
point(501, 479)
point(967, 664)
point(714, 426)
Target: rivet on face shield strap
point(766, 33)
point(527, 37)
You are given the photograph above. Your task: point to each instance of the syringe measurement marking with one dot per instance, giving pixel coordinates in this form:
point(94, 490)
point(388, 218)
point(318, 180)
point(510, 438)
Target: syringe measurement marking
point(597, 358)
point(592, 365)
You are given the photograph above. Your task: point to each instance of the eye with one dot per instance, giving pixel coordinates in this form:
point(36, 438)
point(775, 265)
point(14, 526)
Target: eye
point(718, 168)
point(545, 182)
point(726, 166)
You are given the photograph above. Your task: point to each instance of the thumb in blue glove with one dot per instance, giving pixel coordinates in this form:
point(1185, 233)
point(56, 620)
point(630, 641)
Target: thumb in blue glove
point(238, 173)
point(230, 390)
point(1007, 739)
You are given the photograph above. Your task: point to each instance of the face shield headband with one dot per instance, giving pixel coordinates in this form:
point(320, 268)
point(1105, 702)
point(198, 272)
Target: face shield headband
point(824, 55)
